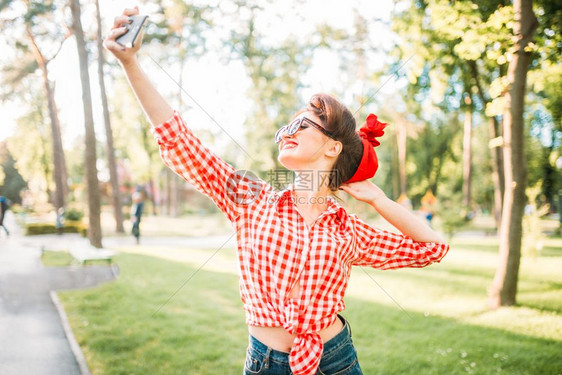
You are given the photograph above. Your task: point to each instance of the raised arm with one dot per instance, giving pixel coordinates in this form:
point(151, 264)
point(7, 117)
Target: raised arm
point(153, 104)
point(417, 246)
point(180, 148)
point(397, 215)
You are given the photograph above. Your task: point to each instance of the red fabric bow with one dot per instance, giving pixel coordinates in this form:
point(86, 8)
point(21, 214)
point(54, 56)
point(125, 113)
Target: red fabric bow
point(371, 129)
point(369, 164)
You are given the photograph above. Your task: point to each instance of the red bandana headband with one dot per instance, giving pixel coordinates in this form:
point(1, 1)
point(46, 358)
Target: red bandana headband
point(369, 162)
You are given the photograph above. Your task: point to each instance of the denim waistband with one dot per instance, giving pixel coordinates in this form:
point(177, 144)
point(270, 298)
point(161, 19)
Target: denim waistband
point(340, 338)
point(329, 345)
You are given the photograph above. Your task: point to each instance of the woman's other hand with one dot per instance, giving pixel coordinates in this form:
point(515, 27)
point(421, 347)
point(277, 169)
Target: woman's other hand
point(401, 218)
point(123, 54)
point(364, 191)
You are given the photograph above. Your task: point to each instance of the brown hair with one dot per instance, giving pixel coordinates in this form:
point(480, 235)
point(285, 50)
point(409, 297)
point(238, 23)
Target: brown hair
point(338, 120)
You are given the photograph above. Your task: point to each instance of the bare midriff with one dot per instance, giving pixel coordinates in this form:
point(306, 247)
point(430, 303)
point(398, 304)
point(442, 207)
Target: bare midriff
point(279, 339)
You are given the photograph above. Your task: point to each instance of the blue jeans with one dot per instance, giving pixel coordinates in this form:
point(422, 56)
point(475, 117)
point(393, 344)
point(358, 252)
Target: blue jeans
point(339, 357)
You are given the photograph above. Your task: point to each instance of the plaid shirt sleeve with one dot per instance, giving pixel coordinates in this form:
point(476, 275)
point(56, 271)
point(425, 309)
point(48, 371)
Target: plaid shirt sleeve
point(387, 250)
point(184, 154)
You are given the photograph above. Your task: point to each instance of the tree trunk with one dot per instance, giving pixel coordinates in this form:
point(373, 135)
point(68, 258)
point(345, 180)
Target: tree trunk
point(169, 177)
point(113, 176)
point(151, 197)
point(44, 160)
point(94, 224)
point(59, 170)
point(497, 171)
point(402, 139)
point(467, 152)
point(147, 142)
point(434, 183)
point(496, 152)
point(175, 197)
point(504, 287)
point(395, 166)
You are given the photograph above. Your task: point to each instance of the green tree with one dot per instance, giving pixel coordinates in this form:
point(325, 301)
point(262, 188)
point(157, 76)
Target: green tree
point(36, 23)
point(545, 101)
point(13, 182)
point(467, 152)
point(504, 287)
point(487, 47)
point(31, 143)
point(90, 159)
point(433, 147)
point(448, 46)
point(110, 150)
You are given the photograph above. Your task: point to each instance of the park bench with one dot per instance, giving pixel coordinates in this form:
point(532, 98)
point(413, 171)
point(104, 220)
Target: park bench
point(85, 254)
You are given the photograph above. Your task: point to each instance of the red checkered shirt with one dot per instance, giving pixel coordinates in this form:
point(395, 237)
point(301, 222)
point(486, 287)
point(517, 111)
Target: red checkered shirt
point(278, 250)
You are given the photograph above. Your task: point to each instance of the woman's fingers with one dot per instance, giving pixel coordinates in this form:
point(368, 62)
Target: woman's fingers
point(120, 27)
point(131, 11)
point(112, 46)
point(120, 21)
point(110, 43)
point(124, 18)
point(115, 33)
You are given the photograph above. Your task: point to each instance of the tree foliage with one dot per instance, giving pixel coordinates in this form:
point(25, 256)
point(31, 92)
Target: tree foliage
point(31, 146)
point(12, 183)
point(465, 46)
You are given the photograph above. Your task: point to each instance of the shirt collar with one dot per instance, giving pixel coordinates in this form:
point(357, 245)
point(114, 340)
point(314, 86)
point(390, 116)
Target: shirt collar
point(283, 197)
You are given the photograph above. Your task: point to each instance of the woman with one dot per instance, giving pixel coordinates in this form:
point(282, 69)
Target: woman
point(295, 247)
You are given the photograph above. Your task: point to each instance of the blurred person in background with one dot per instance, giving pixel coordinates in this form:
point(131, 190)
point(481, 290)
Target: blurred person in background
point(4, 206)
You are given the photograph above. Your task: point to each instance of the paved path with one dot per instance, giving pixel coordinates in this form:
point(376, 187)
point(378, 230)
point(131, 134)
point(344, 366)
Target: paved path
point(32, 338)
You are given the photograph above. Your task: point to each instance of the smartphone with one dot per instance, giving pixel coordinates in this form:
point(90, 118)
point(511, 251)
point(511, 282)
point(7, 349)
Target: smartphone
point(133, 31)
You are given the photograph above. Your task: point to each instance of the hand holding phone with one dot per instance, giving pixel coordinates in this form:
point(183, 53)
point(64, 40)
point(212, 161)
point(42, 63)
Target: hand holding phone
point(133, 31)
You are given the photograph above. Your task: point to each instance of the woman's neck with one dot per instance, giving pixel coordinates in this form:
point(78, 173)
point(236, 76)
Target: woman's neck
point(311, 189)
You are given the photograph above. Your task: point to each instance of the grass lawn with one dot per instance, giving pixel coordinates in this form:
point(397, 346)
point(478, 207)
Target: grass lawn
point(56, 258)
point(152, 320)
point(186, 225)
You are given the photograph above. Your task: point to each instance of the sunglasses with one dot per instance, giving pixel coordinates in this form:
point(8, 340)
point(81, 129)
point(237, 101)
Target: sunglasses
point(296, 125)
